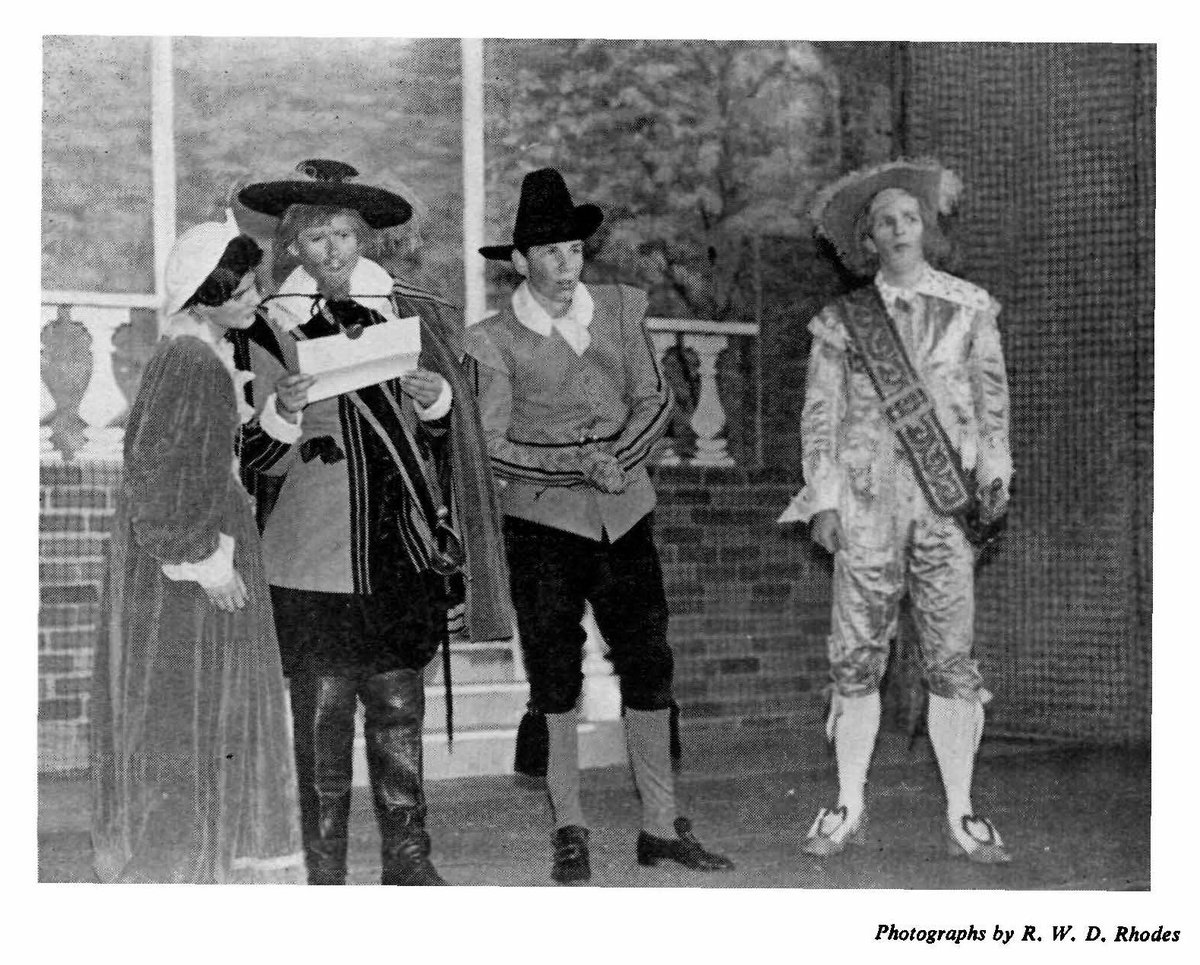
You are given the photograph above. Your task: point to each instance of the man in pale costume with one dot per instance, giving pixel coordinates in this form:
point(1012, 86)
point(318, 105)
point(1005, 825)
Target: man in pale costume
point(905, 453)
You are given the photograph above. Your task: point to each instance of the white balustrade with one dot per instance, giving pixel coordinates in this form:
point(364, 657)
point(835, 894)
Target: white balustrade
point(48, 452)
point(666, 455)
point(709, 418)
point(103, 400)
point(708, 340)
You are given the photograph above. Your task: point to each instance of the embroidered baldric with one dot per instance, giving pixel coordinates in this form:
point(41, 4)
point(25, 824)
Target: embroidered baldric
point(910, 412)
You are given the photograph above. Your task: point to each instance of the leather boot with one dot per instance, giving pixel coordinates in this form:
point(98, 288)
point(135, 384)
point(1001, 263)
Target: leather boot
point(395, 712)
point(323, 735)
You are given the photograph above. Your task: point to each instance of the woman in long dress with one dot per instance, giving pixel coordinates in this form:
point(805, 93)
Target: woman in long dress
point(193, 776)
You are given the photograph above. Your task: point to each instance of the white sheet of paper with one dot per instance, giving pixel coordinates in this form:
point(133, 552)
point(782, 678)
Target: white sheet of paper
point(343, 364)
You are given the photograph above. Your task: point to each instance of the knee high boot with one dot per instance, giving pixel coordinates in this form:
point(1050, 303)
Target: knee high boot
point(395, 713)
point(323, 736)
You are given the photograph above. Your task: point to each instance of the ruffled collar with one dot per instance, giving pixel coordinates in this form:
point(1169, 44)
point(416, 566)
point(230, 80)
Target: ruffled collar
point(298, 299)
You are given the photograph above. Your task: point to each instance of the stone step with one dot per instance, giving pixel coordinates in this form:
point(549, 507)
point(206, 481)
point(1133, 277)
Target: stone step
point(472, 663)
point(490, 751)
point(477, 706)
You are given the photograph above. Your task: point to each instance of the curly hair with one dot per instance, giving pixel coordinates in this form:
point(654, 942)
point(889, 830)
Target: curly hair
point(241, 256)
point(300, 217)
point(934, 244)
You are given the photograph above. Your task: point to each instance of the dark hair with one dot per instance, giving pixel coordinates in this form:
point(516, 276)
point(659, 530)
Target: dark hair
point(934, 244)
point(241, 256)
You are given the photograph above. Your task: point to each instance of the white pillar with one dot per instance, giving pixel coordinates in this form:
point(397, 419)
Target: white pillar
point(709, 418)
point(48, 452)
point(474, 184)
point(103, 401)
point(601, 689)
point(665, 452)
point(162, 140)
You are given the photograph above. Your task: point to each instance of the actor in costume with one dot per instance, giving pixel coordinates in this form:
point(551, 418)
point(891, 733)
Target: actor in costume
point(905, 442)
point(191, 761)
point(386, 496)
point(572, 400)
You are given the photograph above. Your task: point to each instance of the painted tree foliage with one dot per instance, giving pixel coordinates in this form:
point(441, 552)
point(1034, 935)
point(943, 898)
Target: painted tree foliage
point(691, 147)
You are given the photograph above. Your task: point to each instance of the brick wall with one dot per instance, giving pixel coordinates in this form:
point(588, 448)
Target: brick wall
point(76, 507)
point(749, 602)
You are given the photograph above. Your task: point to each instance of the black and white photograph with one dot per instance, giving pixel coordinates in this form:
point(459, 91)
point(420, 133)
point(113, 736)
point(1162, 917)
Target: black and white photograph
point(694, 491)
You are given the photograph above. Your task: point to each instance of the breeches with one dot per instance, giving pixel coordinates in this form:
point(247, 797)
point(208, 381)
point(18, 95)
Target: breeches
point(554, 574)
point(897, 544)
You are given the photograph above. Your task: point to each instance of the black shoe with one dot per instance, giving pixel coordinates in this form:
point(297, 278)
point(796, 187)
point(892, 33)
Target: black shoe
point(406, 861)
point(685, 849)
point(571, 862)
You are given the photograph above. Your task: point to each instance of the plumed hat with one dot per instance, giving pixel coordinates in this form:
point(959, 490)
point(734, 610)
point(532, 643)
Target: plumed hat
point(328, 183)
point(836, 208)
point(546, 215)
point(194, 255)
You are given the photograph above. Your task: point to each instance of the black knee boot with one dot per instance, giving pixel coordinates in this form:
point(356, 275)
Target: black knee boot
point(323, 733)
point(395, 713)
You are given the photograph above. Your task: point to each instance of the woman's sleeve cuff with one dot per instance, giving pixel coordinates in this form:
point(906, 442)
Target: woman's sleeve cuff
point(215, 570)
point(276, 426)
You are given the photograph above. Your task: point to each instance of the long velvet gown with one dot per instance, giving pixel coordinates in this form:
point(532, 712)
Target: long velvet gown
point(193, 777)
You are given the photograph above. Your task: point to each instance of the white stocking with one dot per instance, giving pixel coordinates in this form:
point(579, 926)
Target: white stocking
point(955, 729)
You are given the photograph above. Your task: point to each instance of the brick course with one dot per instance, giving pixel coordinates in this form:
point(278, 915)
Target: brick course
point(749, 600)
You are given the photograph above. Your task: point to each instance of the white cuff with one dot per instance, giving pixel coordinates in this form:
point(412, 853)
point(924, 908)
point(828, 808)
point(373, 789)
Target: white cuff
point(440, 406)
point(216, 570)
point(276, 426)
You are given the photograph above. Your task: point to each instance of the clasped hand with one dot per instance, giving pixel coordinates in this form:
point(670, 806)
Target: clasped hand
point(422, 386)
point(604, 472)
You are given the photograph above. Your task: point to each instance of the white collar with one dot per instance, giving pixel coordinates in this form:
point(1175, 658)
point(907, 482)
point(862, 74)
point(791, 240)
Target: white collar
point(891, 292)
point(533, 316)
point(370, 286)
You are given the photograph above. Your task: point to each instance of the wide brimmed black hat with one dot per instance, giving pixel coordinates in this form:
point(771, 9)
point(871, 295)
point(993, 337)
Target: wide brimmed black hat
point(546, 216)
point(328, 183)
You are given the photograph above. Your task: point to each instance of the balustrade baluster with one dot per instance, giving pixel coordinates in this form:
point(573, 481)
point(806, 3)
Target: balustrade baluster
point(103, 400)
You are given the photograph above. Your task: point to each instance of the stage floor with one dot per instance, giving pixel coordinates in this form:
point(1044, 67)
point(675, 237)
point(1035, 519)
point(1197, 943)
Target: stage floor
point(1076, 817)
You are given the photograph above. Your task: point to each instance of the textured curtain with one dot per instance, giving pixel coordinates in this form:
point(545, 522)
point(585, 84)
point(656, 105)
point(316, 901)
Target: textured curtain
point(1055, 143)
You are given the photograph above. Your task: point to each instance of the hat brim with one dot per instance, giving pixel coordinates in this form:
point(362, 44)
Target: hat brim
point(379, 208)
point(839, 206)
point(581, 225)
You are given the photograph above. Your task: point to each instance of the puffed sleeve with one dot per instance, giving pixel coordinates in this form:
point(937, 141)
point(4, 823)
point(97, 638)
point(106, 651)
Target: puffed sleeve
point(649, 396)
point(178, 470)
point(824, 408)
point(989, 388)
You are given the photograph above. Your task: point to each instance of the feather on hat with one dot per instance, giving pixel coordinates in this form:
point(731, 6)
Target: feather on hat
point(836, 209)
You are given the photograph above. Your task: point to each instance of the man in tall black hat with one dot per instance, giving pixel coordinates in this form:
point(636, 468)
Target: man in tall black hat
point(387, 502)
point(572, 400)
point(905, 438)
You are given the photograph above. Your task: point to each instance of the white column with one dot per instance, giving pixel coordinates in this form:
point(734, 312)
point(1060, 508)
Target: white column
point(103, 400)
point(162, 141)
point(601, 689)
point(709, 418)
point(48, 452)
point(665, 452)
point(474, 184)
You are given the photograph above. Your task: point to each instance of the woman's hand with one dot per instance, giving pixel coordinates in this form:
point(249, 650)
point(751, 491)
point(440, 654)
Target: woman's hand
point(422, 386)
point(291, 395)
point(230, 595)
